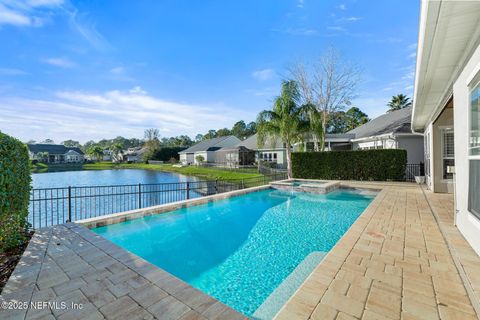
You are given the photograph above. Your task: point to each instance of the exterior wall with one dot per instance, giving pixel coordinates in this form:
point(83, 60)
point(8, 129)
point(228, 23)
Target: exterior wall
point(187, 158)
point(466, 222)
point(281, 155)
point(414, 146)
point(445, 120)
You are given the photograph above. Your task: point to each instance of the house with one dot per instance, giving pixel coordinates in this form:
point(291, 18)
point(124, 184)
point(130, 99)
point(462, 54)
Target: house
point(133, 154)
point(447, 106)
point(390, 131)
point(207, 149)
point(55, 153)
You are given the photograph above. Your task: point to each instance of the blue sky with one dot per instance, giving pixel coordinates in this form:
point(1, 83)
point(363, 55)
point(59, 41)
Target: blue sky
point(98, 69)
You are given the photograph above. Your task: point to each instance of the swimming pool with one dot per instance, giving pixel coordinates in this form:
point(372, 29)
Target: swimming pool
point(241, 249)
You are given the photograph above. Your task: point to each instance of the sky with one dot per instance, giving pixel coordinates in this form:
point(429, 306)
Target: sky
point(87, 70)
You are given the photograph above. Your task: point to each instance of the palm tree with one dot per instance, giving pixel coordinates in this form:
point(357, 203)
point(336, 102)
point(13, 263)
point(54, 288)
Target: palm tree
point(398, 102)
point(116, 149)
point(96, 152)
point(286, 121)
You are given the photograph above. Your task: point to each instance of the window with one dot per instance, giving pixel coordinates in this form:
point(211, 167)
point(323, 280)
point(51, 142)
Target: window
point(474, 151)
point(275, 156)
point(448, 154)
point(427, 153)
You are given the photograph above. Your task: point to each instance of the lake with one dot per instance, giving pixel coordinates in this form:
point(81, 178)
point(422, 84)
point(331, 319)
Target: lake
point(99, 192)
point(104, 177)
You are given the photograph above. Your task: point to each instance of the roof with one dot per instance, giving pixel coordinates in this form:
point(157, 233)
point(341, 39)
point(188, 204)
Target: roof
point(390, 123)
point(448, 35)
point(251, 143)
point(51, 148)
point(212, 144)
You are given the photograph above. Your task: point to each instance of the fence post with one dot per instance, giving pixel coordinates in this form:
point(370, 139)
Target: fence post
point(139, 196)
point(243, 184)
point(69, 204)
point(188, 190)
point(216, 186)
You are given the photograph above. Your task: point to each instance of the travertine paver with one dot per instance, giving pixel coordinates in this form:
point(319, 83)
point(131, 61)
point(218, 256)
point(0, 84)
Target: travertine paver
point(393, 263)
point(71, 264)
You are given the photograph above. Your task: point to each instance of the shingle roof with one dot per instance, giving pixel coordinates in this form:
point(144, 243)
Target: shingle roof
point(51, 148)
point(207, 145)
point(389, 123)
point(251, 143)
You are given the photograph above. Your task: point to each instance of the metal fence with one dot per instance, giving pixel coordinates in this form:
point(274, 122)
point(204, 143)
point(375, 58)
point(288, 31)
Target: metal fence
point(414, 169)
point(51, 206)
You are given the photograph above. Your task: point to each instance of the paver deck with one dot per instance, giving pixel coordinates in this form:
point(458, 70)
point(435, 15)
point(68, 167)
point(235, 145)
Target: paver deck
point(71, 264)
point(393, 263)
point(401, 259)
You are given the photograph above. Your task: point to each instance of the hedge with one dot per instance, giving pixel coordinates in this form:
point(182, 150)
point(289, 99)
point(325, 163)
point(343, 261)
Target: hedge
point(376, 165)
point(166, 153)
point(14, 192)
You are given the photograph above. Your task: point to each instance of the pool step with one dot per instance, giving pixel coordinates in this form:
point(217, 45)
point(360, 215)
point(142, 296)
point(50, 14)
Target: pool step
point(275, 301)
point(306, 185)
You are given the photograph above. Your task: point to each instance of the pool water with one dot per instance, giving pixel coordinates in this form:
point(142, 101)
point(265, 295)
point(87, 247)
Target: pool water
point(240, 249)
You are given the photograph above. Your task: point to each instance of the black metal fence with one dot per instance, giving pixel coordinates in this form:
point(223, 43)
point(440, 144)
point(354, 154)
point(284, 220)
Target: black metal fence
point(51, 206)
point(414, 169)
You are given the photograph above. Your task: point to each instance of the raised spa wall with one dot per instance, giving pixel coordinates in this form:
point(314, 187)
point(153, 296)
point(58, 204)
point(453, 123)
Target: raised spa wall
point(306, 185)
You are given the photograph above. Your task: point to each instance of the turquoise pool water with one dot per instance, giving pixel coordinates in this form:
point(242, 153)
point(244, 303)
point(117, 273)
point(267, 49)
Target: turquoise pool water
point(239, 250)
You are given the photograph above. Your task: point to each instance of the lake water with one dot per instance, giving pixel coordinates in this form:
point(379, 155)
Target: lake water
point(104, 177)
point(99, 192)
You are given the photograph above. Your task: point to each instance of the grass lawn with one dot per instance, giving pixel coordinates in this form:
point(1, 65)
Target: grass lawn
point(203, 172)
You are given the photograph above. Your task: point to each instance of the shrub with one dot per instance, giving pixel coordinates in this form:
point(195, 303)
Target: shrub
point(14, 192)
point(377, 165)
point(167, 153)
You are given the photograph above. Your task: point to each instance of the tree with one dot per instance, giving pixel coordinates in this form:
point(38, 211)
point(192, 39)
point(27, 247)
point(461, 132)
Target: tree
point(286, 121)
point(116, 150)
point(329, 84)
point(239, 129)
point(31, 142)
point(152, 139)
point(96, 152)
point(199, 137)
point(251, 129)
point(48, 141)
point(342, 122)
point(223, 132)
point(199, 159)
point(400, 101)
point(210, 135)
point(71, 144)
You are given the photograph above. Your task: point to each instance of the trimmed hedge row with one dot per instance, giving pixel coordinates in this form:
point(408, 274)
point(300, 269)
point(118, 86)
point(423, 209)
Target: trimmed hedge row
point(375, 165)
point(14, 192)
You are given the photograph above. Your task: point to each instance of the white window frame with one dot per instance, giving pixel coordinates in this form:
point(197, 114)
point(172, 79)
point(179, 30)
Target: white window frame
point(443, 131)
point(474, 84)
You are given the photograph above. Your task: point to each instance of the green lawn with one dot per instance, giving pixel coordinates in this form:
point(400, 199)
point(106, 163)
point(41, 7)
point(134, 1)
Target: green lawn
point(203, 172)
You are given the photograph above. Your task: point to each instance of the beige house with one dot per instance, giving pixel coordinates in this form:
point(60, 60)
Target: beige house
point(447, 106)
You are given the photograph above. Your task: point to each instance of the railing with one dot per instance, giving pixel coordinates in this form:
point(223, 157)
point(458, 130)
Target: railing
point(51, 206)
point(414, 169)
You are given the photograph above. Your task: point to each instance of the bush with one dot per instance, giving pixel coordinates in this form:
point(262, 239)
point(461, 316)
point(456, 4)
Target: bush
point(14, 192)
point(376, 165)
point(167, 153)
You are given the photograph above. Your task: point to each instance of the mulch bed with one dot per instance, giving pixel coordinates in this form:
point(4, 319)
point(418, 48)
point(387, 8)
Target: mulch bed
point(9, 259)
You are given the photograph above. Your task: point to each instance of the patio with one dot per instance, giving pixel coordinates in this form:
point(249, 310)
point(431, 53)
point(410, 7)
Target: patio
point(396, 261)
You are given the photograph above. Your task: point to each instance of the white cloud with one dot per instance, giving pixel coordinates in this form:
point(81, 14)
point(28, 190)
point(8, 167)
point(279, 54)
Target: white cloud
point(300, 3)
point(263, 75)
point(336, 28)
point(302, 31)
point(412, 55)
point(84, 115)
point(12, 72)
point(87, 29)
point(342, 7)
point(29, 13)
point(138, 91)
point(117, 70)
point(59, 62)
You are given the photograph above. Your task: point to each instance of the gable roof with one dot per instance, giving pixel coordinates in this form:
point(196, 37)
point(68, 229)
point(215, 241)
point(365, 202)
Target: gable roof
point(211, 144)
point(51, 148)
point(251, 143)
point(390, 123)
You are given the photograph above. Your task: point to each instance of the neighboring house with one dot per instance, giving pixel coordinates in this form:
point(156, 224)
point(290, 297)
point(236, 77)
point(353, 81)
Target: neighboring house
point(207, 149)
point(134, 154)
point(390, 131)
point(272, 151)
point(55, 153)
point(447, 106)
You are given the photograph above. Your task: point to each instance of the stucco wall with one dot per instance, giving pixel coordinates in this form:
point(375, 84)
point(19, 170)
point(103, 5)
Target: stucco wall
point(414, 147)
point(468, 224)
